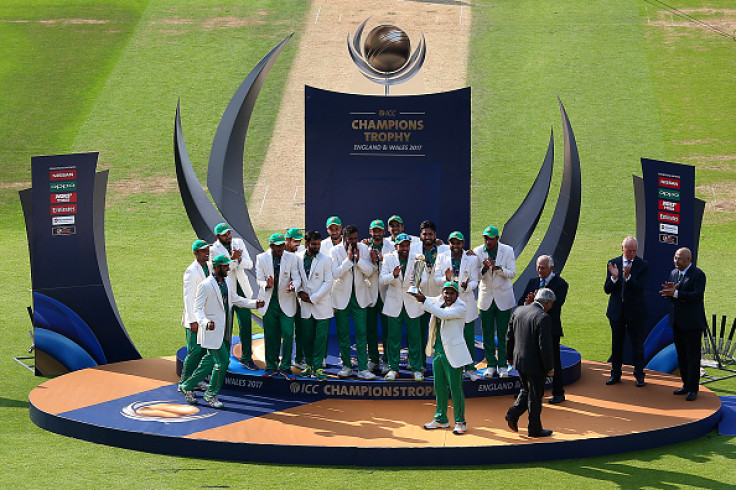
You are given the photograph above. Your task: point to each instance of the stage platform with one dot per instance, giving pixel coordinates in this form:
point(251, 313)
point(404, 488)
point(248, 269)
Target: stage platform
point(135, 405)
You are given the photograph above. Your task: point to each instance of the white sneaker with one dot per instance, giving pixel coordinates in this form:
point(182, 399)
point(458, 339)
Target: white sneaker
point(391, 375)
point(202, 386)
point(301, 365)
point(345, 372)
point(460, 428)
point(472, 375)
point(418, 376)
point(372, 366)
point(489, 372)
point(436, 425)
point(213, 401)
point(503, 372)
point(190, 397)
point(366, 374)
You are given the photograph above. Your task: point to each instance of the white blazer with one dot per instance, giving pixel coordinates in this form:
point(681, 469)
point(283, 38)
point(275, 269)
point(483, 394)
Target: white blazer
point(345, 273)
point(237, 268)
point(435, 276)
point(317, 285)
point(289, 273)
point(326, 245)
point(396, 295)
point(208, 307)
point(451, 330)
point(495, 285)
point(193, 276)
point(376, 288)
point(470, 270)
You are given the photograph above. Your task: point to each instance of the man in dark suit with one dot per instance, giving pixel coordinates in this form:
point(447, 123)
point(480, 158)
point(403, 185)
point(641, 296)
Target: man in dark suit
point(548, 279)
point(685, 289)
point(530, 350)
point(625, 281)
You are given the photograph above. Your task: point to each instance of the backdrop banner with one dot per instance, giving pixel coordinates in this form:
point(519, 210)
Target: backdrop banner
point(370, 157)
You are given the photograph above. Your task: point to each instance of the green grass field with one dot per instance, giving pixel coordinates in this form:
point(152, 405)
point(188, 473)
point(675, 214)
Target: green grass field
point(636, 82)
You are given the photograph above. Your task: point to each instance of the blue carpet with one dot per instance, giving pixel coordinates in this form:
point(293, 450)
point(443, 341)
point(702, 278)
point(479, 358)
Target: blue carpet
point(727, 425)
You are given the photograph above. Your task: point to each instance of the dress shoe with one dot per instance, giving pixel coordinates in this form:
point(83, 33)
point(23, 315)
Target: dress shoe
point(691, 396)
point(541, 433)
point(513, 423)
point(640, 382)
point(680, 391)
point(557, 399)
point(613, 380)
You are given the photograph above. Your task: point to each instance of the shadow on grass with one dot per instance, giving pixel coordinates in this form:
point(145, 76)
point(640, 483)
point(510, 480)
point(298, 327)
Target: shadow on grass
point(10, 403)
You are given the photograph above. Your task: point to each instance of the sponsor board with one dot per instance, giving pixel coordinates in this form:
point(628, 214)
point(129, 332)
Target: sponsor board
point(63, 198)
point(670, 218)
point(62, 220)
point(64, 230)
point(671, 182)
point(66, 174)
point(668, 194)
point(664, 227)
point(67, 209)
point(669, 206)
point(668, 239)
point(66, 186)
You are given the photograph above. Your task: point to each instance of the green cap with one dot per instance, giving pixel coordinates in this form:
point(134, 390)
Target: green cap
point(395, 217)
point(277, 239)
point(221, 260)
point(222, 228)
point(456, 235)
point(199, 245)
point(402, 237)
point(490, 232)
point(294, 234)
point(377, 223)
point(451, 284)
point(333, 220)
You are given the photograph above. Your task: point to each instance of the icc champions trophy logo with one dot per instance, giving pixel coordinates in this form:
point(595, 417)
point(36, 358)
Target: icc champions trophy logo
point(385, 57)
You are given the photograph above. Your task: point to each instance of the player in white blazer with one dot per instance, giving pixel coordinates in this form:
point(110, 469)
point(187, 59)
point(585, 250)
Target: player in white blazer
point(277, 270)
point(351, 296)
point(315, 269)
point(213, 308)
point(234, 248)
point(397, 273)
point(447, 342)
point(379, 246)
point(294, 238)
point(334, 235)
point(462, 268)
point(195, 274)
point(495, 297)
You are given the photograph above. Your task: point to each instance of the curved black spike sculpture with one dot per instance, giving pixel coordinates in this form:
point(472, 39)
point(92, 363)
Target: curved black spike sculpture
point(202, 214)
point(520, 227)
point(560, 235)
point(225, 171)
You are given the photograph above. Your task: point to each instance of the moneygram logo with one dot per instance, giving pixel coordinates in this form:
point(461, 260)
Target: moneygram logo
point(63, 186)
point(667, 194)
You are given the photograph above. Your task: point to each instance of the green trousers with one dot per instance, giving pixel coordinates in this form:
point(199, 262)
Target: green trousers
point(278, 334)
point(342, 322)
point(469, 334)
point(413, 338)
point(424, 322)
point(216, 361)
point(298, 336)
point(245, 322)
point(195, 353)
point(495, 322)
point(447, 376)
point(374, 313)
point(314, 340)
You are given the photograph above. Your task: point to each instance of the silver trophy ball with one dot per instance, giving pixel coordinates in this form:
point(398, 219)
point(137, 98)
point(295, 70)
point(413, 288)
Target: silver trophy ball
point(387, 48)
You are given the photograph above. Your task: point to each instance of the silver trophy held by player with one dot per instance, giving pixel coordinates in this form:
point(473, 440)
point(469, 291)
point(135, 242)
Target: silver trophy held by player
point(419, 265)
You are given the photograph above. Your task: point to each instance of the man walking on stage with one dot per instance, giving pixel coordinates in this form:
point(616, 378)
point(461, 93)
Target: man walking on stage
point(530, 350)
point(216, 296)
point(627, 310)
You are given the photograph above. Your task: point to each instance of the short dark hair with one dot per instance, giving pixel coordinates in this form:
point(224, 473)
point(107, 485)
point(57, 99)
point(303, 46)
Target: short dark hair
point(349, 230)
point(312, 235)
point(428, 224)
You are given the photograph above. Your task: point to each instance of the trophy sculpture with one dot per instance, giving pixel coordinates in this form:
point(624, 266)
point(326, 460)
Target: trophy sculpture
point(416, 279)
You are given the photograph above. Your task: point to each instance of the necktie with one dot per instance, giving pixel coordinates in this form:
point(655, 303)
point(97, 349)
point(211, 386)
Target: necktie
point(679, 278)
point(542, 282)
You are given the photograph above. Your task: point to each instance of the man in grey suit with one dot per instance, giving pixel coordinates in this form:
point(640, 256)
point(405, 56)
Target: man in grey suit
point(529, 348)
point(685, 290)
